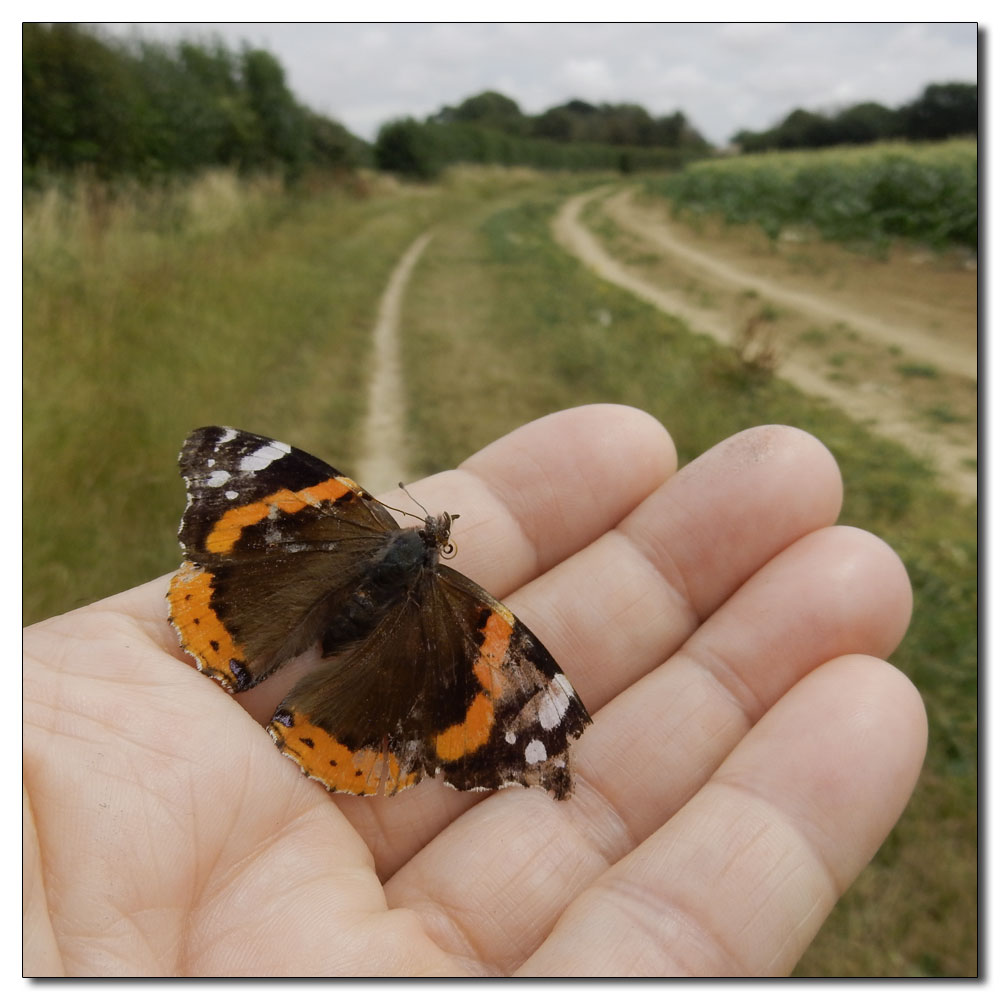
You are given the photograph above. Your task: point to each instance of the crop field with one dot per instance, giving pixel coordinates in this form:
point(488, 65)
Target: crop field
point(233, 302)
point(867, 195)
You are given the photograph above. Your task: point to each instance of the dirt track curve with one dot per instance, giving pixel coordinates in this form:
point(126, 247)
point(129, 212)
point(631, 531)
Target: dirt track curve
point(384, 456)
point(882, 413)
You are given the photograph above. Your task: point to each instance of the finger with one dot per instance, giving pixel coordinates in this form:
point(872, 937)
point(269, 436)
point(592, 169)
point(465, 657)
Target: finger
point(549, 488)
point(621, 606)
point(741, 879)
point(630, 600)
point(834, 592)
point(655, 744)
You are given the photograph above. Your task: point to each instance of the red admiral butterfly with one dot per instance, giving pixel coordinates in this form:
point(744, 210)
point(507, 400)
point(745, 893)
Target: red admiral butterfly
point(423, 672)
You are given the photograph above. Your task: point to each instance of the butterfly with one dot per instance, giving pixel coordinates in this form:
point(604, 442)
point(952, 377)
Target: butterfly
point(421, 671)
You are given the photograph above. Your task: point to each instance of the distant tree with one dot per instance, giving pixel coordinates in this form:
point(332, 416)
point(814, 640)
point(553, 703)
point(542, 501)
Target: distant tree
point(803, 129)
point(942, 110)
point(489, 109)
point(575, 121)
point(79, 100)
point(670, 130)
point(558, 124)
point(626, 125)
point(676, 132)
point(866, 122)
point(406, 147)
point(282, 134)
point(332, 145)
point(616, 125)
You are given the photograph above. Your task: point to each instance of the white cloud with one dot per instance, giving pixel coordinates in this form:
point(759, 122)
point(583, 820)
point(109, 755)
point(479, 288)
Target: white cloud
point(751, 36)
point(588, 77)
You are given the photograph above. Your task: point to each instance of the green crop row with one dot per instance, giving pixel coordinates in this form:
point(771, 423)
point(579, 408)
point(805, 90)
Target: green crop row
point(926, 193)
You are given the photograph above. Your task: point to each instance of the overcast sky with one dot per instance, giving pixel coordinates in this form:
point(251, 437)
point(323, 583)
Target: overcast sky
point(724, 77)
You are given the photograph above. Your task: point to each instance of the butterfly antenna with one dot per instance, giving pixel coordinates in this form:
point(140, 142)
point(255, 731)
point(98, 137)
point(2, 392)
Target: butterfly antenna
point(408, 513)
point(427, 513)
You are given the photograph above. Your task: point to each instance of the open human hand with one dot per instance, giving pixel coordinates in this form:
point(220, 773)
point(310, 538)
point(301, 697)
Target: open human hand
point(750, 749)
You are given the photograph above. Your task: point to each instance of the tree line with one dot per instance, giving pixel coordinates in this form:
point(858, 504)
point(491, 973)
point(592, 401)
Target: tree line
point(576, 121)
point(942, 111)
point(491, 128)
point(149, 109)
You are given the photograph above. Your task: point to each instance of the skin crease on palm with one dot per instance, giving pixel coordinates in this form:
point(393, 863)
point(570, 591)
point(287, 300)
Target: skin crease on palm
point(750, 750)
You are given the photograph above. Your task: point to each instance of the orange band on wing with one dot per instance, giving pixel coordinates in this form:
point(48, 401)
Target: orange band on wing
point(200, 631)
point(475, 729)
point(469, 734)
point(226, 532)
point(321, 756)
point(493, 650)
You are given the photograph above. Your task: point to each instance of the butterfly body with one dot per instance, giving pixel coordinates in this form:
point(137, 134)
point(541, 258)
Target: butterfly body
point(422, 671)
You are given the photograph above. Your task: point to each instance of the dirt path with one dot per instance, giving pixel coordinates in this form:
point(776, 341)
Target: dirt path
point(622, 208)
point(867, 402)
point(383, 463)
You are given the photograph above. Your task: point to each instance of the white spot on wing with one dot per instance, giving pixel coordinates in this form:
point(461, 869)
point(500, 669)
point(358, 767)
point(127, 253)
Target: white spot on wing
point(264, 456)
point(219, 477)
point(553, 704)
point(534, 752)
point(510, 737)
point(231, 494)
point(563, 682)
point(228, 436)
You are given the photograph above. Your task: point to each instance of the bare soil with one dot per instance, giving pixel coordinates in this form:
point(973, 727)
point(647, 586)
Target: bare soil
point(384, 461)
point(891, 340)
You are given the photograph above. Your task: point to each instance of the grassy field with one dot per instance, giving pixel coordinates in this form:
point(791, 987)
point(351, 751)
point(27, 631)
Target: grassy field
point(144, 319)
point(148, 317)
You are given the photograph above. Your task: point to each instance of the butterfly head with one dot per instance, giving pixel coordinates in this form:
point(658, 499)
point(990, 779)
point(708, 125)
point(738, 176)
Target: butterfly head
point(438, 530)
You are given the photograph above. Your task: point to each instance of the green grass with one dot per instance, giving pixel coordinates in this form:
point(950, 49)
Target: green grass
point(918, 369)
point(943, 414)
point(815, 335)
point(140, 330)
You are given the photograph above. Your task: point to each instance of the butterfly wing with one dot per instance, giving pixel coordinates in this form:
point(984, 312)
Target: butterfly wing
point(520, 725)
point(451, 683)
point(273, 539)
point(435, 676)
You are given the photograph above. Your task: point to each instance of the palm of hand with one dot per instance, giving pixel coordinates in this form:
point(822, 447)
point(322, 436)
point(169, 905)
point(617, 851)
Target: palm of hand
point(750, 748)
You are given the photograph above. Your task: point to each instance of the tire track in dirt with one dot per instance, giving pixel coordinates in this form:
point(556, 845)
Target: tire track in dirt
point(383, 455)
point(882, 415)
point(947, 356)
